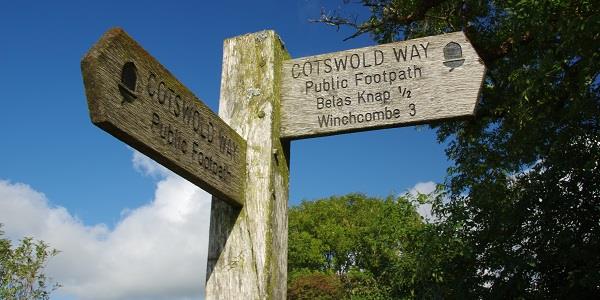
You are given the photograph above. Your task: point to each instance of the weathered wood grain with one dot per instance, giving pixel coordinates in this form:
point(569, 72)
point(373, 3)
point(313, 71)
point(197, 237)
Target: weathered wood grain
point(134, 98)
point(388, 85)
point(247, 256)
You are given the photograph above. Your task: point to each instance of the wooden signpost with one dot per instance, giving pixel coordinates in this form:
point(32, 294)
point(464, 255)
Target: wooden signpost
point(266, 101)
point(237, 157)
point(397, 84)
point(133, 97)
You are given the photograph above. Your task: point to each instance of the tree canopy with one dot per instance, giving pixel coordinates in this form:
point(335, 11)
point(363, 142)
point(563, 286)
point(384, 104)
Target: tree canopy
point(361, 247)
point(521, 202)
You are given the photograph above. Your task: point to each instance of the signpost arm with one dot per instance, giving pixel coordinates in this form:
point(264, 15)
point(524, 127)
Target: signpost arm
point(247, 256)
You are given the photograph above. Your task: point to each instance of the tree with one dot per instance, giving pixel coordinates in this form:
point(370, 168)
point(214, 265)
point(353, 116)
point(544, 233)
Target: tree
point(315, 286)
point(22, 269)
point(523, 195)
point(367, 243)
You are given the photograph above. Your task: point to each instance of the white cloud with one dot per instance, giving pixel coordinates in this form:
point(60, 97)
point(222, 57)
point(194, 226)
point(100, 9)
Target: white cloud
point(424, 209)
point(423, 188)
point(148, 167)
point(157, 251)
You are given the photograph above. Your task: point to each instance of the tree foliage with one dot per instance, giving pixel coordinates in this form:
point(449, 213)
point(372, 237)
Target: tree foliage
point(22, 269)
point(316, 286)
point(523, 195)
point(367, 243)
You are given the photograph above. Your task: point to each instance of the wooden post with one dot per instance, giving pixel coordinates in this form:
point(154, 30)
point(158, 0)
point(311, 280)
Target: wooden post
point(247, 256)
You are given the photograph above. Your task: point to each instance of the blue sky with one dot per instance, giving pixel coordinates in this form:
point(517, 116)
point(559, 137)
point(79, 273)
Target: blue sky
point(77, 178)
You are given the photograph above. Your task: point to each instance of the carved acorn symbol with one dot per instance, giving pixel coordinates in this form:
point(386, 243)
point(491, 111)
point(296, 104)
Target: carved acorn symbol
point(453, 56)
point(127, 86)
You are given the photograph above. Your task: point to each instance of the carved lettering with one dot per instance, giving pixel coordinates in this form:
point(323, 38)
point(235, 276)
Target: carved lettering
point(202, 150)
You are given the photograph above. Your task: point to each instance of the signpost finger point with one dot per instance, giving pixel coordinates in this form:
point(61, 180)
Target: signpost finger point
point(134, 98)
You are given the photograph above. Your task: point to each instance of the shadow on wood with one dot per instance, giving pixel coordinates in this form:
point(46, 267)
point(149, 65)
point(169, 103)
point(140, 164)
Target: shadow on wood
point(222, 221)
